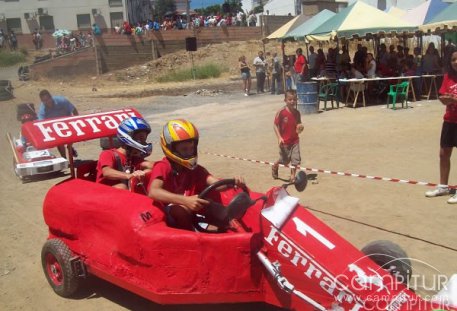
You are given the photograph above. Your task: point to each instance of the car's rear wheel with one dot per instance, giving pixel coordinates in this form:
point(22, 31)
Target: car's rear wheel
point(391, 257)
point(56, 262)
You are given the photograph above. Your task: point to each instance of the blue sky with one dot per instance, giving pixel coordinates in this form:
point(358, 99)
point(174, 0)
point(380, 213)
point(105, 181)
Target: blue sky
point(198, 4)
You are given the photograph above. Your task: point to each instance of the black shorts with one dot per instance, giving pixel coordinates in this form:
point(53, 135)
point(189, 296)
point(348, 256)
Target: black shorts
point(448, 135)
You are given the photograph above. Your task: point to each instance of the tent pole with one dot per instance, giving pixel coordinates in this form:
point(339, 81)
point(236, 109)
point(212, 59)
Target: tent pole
point(443, 44)
point(283, 46)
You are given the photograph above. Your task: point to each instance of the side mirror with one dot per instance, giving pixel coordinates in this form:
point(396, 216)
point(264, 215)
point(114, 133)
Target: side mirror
point(301, 181)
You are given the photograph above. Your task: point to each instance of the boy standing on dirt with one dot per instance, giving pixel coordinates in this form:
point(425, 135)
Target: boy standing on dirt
point(287, 126)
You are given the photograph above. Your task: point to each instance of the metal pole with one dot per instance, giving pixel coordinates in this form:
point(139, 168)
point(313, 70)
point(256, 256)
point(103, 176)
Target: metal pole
point(193, 69)
point(187, 14)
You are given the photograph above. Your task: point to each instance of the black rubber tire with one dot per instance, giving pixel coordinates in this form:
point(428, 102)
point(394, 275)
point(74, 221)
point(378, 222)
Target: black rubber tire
point(55, 259)
point(391, 257)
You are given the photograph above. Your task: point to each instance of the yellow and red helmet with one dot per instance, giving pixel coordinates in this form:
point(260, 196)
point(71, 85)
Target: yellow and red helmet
point(176, 131)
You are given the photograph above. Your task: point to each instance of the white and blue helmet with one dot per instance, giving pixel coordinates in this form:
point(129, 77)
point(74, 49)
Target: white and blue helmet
point(128, 128)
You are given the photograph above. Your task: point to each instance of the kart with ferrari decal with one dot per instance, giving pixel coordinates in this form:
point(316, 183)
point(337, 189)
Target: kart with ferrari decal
point(29, 161)
point(270, 248)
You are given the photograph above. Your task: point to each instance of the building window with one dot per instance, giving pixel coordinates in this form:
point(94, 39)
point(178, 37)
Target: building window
point(117, 18)
point(83, 21)
point(115, 3)
point(14, 24)
point(47, 23)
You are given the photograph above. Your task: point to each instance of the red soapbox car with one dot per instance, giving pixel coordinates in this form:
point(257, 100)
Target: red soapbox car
point(272, 250)
point(29, 161)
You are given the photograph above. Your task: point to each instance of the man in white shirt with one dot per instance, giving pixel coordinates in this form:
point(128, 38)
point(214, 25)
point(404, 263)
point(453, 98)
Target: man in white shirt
point(312, 62)
point(260, 67)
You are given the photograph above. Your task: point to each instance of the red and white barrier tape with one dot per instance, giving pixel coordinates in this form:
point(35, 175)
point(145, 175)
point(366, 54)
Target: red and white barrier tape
point(317, 170)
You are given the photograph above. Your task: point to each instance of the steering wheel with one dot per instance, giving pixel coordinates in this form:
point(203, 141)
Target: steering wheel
point(217, 184)
point(217, 213)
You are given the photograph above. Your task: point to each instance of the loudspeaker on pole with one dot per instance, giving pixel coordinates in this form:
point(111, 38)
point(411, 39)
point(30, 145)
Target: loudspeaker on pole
point(191, 44)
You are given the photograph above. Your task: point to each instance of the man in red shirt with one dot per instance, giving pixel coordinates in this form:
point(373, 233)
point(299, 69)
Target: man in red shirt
point(115, 167)
point(287, 126)
point(300, 66)
point(177, 179)
point(448, 97)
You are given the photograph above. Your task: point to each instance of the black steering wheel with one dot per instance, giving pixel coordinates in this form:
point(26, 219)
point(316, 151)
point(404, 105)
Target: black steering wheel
point(217, 184)
point(220, 215)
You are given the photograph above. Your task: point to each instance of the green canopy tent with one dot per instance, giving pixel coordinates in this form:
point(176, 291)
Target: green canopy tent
point(360, 20)
point(279, 33)
point(308, 26)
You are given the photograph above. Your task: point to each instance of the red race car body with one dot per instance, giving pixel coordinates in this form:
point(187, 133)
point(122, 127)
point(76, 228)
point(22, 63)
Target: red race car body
point(276, 251)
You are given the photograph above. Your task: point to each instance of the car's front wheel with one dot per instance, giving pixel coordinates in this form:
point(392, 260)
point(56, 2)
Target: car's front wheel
point(391, 257)
point(56, 262)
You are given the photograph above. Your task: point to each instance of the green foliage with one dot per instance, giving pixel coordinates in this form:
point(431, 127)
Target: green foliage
point(201, 72)
point(163, 7)
point(11, 58)
point(24, 51)
point(235, 7)
point(209, 10)
point(258, 9)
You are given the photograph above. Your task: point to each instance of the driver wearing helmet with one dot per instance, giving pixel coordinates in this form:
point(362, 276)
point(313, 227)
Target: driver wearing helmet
point(116, 166)
point(177, 179)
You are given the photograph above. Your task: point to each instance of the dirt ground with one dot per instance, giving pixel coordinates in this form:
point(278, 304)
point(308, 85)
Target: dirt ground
point(372, 141)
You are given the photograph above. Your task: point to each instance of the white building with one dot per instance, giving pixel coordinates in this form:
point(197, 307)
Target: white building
point(24, 16)
point(295, 7)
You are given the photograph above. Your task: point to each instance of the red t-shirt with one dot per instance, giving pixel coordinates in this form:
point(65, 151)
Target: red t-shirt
point(300, 62)
point(287, 122)
point(186, 182)
point(107, 158)
point(449, 86)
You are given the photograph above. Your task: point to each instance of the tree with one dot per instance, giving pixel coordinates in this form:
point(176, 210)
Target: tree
point(258, 9)
point(164, 7)
point(235, 7)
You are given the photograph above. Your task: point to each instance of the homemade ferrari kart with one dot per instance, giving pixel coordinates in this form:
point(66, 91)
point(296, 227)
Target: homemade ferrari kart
point(272, 249)
point(29, 161)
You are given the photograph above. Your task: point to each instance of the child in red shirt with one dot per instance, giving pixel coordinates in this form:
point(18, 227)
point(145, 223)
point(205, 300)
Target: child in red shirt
point(177, 179)
point(115, 167)
point(287, 126)
point(448, 97)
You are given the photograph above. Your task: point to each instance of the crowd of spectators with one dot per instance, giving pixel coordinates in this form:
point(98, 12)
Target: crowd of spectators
point(8, 40)
point(73, 41)
point(392, 62)
point(196, 21)
point(337, 63)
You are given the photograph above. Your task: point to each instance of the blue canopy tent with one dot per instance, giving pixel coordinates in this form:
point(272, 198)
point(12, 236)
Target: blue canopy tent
point(444, 24)
point(425, 12)
point(309, 26)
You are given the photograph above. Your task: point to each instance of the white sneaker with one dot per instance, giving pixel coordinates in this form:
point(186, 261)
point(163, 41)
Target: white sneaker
point(246, 94)
point(453, 199)
point(438, 191)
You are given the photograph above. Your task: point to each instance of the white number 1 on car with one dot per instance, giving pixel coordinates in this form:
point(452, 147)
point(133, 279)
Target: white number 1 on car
point(304, 229)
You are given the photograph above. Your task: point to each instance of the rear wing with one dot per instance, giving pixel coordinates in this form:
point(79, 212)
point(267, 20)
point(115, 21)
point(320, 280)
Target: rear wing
point(43, 134)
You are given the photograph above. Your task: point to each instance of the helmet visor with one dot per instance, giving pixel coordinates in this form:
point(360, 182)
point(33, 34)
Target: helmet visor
point(186, 149)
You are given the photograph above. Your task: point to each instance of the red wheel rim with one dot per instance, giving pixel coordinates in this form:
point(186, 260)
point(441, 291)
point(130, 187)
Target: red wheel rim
point(54, 269)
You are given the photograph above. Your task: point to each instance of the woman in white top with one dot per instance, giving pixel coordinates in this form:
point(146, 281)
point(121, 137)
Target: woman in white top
point(370, 66)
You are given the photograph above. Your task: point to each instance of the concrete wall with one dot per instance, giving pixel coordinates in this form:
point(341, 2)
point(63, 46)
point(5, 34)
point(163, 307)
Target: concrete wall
point(64, 67)
point(273, 22)
point(114, 51)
